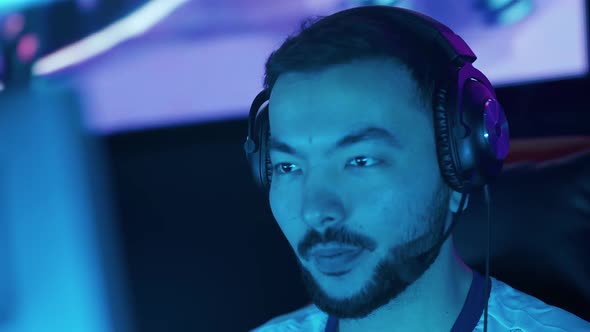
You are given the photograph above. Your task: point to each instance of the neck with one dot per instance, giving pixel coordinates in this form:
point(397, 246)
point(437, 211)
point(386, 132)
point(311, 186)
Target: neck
point(432, 303)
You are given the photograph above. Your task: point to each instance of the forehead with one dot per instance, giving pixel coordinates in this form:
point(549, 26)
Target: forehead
point(341, 97)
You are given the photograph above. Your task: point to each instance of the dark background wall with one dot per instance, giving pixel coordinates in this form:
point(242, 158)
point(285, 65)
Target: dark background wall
point(202, 250)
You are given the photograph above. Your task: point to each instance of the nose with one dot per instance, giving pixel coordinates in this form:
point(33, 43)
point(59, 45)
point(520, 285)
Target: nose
point(322, 209)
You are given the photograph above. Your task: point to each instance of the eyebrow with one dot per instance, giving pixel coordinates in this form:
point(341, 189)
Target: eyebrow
point(366, 134)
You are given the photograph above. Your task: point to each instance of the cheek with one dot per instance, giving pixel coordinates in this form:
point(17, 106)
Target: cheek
point(285, 213)
point(385, 214)
point(389, 215)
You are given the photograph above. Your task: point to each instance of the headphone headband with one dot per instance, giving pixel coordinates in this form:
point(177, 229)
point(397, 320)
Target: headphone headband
point(427, 29)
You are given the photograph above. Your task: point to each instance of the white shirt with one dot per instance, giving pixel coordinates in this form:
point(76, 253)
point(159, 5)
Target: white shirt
point(509, 310)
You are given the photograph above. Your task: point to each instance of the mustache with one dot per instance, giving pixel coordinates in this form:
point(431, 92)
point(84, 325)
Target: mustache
point(333, 235)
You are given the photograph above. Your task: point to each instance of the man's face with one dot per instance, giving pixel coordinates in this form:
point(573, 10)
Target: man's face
point(379, 202)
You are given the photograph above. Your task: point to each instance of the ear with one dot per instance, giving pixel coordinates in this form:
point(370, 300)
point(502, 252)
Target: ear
point(456, 199)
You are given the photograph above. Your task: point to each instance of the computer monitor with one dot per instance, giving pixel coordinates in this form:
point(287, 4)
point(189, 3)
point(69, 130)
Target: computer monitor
point(59, 252)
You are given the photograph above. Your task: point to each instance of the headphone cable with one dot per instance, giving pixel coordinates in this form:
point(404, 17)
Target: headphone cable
point(486, 190)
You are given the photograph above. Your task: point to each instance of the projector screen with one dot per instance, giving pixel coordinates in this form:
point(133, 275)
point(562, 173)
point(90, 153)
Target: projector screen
point(214, 67)
point(538, 40)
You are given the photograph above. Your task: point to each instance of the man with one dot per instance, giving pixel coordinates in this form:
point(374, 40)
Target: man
point(358, 192)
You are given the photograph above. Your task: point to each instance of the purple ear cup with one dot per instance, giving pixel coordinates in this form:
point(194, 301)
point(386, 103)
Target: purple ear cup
point(497, 131)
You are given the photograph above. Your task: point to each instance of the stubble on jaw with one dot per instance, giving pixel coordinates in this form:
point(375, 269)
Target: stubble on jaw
point(394, 273)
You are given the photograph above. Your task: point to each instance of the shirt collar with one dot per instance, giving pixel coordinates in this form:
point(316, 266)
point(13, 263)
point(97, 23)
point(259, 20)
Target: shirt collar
point(469, 315)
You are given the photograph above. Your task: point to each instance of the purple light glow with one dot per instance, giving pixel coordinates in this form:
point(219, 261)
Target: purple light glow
point(211, 68)
point(181, 82)
point(87, 5)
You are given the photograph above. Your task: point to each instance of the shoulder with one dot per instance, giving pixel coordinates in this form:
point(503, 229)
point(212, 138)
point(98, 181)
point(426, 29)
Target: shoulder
point(308, 318)
point(510, 309)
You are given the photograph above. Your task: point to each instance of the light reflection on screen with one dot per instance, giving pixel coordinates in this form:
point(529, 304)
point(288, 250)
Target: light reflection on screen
point(157, 80)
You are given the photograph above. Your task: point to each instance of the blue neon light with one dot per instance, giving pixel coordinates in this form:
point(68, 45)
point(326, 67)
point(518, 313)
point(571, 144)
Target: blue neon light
point(7, 6)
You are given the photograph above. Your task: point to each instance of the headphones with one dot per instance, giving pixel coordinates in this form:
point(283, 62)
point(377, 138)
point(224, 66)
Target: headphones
point(470, 127)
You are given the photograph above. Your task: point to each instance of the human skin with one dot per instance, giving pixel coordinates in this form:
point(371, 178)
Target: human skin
point(381, 196)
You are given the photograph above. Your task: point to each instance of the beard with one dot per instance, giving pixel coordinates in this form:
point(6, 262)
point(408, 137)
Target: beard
point(402, 266)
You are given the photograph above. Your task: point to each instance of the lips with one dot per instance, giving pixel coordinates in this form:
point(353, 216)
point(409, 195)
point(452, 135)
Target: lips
point(335, 260)
point(332, 251)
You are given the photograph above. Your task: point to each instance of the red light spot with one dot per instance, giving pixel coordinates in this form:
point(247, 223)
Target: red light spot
point(27, 48)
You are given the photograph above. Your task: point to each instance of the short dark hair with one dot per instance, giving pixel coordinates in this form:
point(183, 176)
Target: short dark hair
point(360, 34)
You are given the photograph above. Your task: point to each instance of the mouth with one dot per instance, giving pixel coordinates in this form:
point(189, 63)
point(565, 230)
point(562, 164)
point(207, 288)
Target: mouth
point(336, 261)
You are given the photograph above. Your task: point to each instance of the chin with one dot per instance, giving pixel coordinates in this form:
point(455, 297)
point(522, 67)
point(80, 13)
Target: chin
point(342, 286)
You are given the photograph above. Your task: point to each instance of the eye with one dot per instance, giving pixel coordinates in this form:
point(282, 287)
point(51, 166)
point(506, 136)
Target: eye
point(361, 161)
point(357, 162)
point(283, 168)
